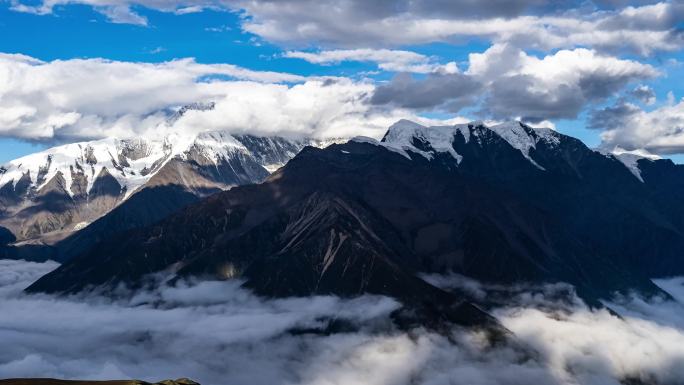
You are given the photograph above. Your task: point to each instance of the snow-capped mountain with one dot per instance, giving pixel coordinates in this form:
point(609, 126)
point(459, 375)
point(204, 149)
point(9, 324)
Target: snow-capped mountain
point(130, 162)
point(501, 204)
point(66, 187)
point(407, 136)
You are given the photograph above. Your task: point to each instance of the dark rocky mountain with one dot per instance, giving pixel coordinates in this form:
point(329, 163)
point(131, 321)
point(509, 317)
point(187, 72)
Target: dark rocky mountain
point(665, 183)
point(501, 204)
point(6, 236)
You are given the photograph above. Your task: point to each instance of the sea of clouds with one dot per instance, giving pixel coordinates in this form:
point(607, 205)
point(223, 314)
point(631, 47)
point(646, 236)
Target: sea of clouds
point(218, 333)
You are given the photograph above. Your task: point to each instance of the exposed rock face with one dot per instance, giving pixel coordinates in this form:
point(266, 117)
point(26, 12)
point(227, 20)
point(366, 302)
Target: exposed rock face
point(273, 152)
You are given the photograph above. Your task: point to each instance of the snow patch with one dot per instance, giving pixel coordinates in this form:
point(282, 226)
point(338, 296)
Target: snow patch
point(630, 158)
point(365, 139)
point(525, 138)
point(81, 225)
point(271, 168)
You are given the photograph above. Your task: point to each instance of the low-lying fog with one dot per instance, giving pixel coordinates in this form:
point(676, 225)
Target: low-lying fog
point(217, 333)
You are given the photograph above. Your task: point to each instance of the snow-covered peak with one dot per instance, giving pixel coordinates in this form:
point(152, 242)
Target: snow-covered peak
point(132, 162)
point(630, 158)
point(402, 137)
point(129, 161)
point(525, 138)
point(403, 131)
point(365, 139)
point(215, 145)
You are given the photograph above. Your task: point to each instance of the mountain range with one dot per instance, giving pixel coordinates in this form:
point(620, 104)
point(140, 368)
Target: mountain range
point(503, 204)
point(47, 197)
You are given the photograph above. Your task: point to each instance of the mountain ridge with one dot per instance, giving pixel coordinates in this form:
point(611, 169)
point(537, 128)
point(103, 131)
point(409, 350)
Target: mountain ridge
point(367, 216)
point(63, 189)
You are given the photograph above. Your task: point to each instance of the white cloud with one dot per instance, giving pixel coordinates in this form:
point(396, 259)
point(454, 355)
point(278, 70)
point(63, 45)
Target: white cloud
point(353, 23)
point(554, 86)
point(595, 347)
point(332, 108)
point(55, 101)
point(659, 131)
point(68, 100)
point(216, 332)
point(562, 67)
point(386, 59)
point(506, 82)
point(116, 11)
point(122, 14)
point(645, 94)
point(119, 11)
point(644, 29)
point(189, 9)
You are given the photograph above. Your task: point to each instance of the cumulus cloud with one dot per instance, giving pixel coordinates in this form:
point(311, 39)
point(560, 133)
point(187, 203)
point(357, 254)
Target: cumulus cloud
point(659, 131)
point(122, 14)
point(45, 100)
point(118, 11)
point(555, 86)
point(216, 332)
point(386, 59)
point(613, 117)
point(56, 102)
point(68, 100)
point(644, 93)
point(462, 8)
point(319, 108)
point(446, 91)
point(510, 83)
point(643, 29)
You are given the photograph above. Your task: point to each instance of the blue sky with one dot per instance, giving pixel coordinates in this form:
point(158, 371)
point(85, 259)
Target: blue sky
point(257, 36)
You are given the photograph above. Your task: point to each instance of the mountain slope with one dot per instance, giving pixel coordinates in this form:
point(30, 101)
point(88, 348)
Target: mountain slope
point(44, 197)
point(366, 216)
point(602, 199)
